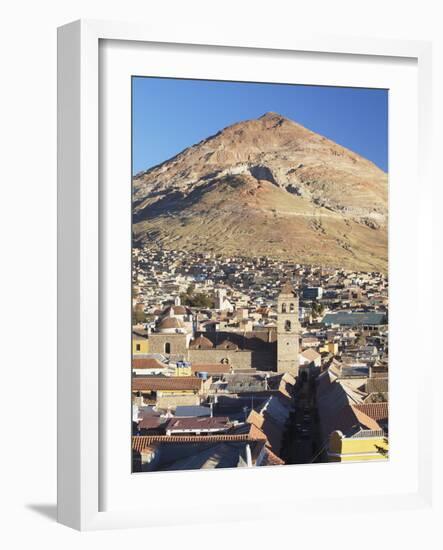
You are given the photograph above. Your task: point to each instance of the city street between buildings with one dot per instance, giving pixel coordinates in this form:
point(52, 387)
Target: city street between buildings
point(302, 441)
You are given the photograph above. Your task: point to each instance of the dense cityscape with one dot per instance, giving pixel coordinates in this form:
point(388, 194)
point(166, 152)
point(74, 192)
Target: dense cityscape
point(245, 362)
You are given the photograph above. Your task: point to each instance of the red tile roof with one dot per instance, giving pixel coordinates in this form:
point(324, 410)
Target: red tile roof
point(310, 354)
point(151, 422)
point(365, 420)
point(140, 442)
point(271, 459)
point(272, 431)
point(212, 368)
point(147, 363)
point(257, 434)
point(350, 420)
point(166, 383)
point(376, 411)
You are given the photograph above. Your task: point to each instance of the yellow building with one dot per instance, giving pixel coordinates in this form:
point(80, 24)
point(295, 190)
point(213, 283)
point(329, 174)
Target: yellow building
point(366, 445)
point(329, 347)
point(183, 368)
point(353, 429)
point(140, 344)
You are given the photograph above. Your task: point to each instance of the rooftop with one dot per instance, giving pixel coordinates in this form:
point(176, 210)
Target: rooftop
point(211, 368)
point(355, 318)
point(147, 363)
point(198, 423)
point(166, 383)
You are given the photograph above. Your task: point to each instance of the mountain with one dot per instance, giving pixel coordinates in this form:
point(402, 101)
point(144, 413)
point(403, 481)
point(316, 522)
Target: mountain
point(267, 186)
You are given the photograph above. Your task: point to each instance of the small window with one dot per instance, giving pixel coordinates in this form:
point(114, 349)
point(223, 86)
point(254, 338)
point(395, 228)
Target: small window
point(291, 308)
point(137, 347)
point(287, 325)
point(283, 308)
point(167, 347)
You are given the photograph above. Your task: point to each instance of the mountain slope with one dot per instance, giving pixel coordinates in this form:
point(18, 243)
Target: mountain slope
point(267, 186)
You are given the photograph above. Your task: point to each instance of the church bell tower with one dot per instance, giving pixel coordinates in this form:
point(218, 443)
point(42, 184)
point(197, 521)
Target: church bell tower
point(288, 330)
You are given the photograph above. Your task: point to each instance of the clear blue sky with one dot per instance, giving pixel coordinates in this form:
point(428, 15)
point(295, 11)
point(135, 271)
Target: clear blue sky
point(171, 114)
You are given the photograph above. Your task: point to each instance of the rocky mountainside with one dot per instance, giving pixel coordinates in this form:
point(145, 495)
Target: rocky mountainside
point(267, 186)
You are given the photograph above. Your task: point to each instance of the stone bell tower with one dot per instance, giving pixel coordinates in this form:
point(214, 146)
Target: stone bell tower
point(288, 330)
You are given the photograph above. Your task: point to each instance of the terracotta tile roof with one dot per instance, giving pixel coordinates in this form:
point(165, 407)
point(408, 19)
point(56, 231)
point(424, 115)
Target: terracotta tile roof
point(376, 411)
point(310, 354)
point(151, 423)
point(212, 368)
point(256, 434)
point(272, 431)
point(271, 459)
point(147, 363)
point(255, 419)
point(349, 420)
point(366, 421)
point(140, 442)
point(166, 383)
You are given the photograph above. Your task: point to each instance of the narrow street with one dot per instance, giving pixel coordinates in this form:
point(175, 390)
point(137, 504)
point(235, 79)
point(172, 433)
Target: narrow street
point(303, 440)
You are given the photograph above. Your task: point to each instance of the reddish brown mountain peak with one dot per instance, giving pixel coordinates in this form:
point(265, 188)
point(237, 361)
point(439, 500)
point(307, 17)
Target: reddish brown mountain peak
point(267, 186)
point(274, 117)
point(271, 114)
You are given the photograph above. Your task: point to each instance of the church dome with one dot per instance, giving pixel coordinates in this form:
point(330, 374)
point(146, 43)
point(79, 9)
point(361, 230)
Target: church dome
point(168, 323)
point(176, 310)
point(201, 343)
point(227, 344)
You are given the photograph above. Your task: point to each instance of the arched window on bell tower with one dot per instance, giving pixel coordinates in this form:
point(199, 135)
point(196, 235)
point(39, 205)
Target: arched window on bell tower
point(283, 308)
point(167, 347)
point(291, 308)
point(288, 325)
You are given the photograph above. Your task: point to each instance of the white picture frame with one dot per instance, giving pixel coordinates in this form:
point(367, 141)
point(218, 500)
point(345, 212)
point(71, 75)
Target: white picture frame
point(82, 394)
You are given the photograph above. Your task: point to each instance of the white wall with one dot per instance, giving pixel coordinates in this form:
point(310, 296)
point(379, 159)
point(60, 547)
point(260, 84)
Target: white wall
point(28, 289)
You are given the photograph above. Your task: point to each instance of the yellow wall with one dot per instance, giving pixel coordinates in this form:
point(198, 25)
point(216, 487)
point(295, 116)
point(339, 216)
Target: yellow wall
point(329, 347)
point(183, 371)
point(346, 449)
point(143, 343)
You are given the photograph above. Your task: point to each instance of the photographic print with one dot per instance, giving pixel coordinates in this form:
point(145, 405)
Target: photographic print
point(259, 274)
